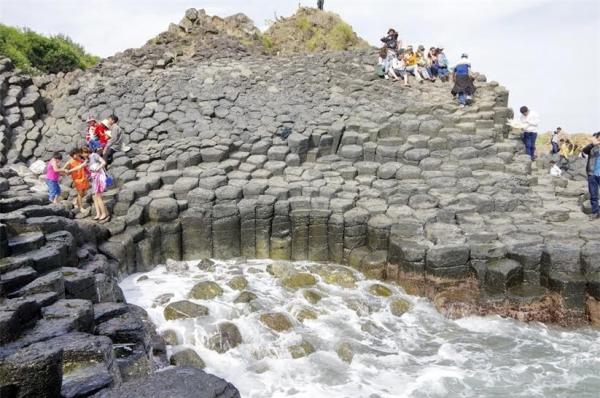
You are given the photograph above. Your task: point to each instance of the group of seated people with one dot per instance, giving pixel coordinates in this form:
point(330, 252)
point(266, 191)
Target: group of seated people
point(398, 63)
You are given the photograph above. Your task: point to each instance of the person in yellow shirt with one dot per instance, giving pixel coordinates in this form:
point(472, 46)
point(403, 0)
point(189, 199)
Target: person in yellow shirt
point(410, 60)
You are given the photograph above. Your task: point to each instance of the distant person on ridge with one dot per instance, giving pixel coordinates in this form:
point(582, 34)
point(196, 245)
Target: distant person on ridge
point(530, 121)
point(463, 82)
point(320, 4)
point(391, 42)
point(555, 140)
point(592, 152)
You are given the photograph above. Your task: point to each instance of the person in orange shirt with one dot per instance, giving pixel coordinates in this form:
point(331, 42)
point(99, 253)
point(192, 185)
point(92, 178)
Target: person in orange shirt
point(77, 168)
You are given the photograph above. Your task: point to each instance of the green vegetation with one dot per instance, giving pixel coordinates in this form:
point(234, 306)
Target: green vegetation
point(311, 30)
point(37, 54)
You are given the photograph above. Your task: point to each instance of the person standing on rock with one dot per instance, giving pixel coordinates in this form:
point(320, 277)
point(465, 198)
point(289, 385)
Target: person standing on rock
point(53, 172)
point(463, 82)
point(592, 152)
point(98, 174)
point(77, 168)
point(320, 4)
point(530, 121)
point(115, 139)
point(555, 140)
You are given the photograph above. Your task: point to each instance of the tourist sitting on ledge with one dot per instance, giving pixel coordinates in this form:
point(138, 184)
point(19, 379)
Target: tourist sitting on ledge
point(463, 81)
point(555, 171)
point(410, 62)
point(391, 42)
point(398, 68)
point(422, 64)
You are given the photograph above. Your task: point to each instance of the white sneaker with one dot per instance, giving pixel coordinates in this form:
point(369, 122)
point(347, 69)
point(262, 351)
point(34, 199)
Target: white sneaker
point(386, 77)
point(469, 98)
point(461, 105)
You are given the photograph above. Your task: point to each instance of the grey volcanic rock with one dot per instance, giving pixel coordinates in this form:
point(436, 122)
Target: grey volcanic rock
point(175, 382)
point(384, 180)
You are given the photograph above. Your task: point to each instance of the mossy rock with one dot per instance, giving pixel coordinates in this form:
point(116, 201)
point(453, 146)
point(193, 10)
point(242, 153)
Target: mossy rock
point(280, 269)
point(238, 282)
point(170, 337)
point(380, 290)
point(187, 358)
point(298, 280)
point(344, 352)
point(361, 308)
point(399, 307)
point(184, 309)
point(245, 297)
point(301, 350)
point(206, 264)
point(311, 296)
point(336, 275)
point(276, 321)
point(206, 290)
point(228, 336)
point(306, 313)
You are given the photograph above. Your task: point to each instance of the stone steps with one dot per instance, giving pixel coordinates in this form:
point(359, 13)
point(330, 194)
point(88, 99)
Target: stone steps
point(26, 242)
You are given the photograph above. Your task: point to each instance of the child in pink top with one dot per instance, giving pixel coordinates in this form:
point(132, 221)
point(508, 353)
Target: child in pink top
point(53, 172)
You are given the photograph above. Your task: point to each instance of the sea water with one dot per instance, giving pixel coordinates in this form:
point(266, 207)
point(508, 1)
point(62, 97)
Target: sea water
point(417, 354)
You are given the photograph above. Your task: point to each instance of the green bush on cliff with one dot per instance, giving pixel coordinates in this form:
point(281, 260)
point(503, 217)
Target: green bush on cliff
point(35, 53)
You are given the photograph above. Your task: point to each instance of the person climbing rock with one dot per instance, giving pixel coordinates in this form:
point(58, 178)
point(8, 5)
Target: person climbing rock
point(320, 4)
point(530, 121)
point(463, 81)
point(592, 152)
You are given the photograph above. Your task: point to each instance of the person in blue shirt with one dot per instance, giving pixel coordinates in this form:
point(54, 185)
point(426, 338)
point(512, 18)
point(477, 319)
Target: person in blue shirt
point(463, 82)
point(592, 152)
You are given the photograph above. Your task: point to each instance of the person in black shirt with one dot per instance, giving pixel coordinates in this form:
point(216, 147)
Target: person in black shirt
point(320, 4)
point(391, 40)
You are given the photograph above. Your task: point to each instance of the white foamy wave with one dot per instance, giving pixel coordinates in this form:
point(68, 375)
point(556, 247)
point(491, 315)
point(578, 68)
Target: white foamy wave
point(417, 354)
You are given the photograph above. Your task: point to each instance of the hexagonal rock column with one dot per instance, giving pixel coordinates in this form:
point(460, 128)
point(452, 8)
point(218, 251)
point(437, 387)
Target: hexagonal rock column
point(196, 233)
point(355, 229)
point(226, 231)
point(502, 274)
point(247, 208)
point(451, 261)
point(378, 232)
point(300, 221)
point(335, 237)
point(281, 242)
point(262, 225)
point(317, 235)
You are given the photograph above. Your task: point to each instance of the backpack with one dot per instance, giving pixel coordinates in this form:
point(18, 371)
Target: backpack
point(380, 71)
point(285, 132)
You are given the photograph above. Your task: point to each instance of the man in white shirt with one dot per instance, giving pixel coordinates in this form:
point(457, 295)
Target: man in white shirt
point(530, 121)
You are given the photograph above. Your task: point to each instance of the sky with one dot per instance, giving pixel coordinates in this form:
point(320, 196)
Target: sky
point(546, 52)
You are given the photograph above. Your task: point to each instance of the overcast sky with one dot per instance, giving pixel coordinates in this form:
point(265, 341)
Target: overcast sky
point(546, 52)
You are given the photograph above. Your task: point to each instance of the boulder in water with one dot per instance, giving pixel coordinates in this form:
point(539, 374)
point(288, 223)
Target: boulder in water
point(312, 296)
point(228, 336)
point(170, 337)
point(301, 350)
point(344, 352)
point(206, 290)
point(238, 282)
point(336, 275)
point(305, 313)
point(399, 307)
point(162, 299)
point(174, 267)
point(206, 264)
point(245, 297)
point(276, 321)
point(280, 269)
point(184, 309)
point(297, 280)
point(187, 358)
point(380, 290)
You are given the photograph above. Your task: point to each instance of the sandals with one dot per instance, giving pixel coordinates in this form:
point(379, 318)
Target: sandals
point(104, 219)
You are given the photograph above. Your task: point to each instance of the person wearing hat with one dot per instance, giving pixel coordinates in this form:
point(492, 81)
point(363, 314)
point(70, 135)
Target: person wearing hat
point(422, 66)
point(463, 81)
point(410, 63)
point(592, 152)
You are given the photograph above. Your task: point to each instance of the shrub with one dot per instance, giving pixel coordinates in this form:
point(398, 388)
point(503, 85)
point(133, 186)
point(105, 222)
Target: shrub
point(35, 53)
point(341, 37)
point(303, 23)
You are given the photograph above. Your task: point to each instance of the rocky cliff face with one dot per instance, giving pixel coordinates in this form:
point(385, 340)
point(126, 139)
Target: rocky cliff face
point(389, 180)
